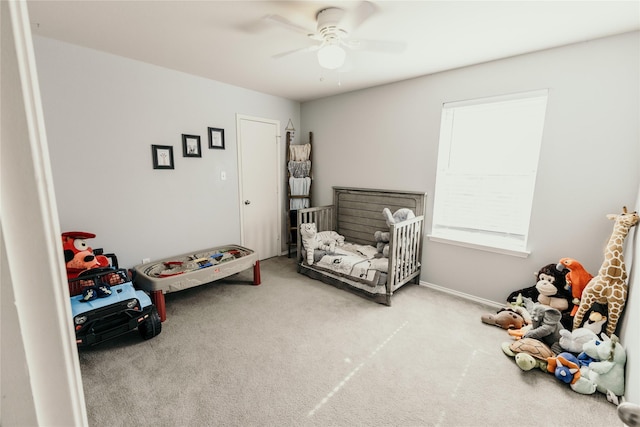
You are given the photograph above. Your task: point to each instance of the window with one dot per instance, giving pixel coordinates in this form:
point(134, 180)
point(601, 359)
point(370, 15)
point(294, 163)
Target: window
point(487, 164)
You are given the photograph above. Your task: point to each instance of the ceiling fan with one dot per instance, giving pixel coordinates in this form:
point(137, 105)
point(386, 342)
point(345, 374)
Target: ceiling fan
point(334, 35)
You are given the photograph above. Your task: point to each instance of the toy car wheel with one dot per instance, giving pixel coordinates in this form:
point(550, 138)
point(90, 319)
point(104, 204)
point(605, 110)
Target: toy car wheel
point(151, 326)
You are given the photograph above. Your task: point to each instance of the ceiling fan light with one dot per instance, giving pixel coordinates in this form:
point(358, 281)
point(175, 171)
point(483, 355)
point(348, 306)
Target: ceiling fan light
point(331, 56)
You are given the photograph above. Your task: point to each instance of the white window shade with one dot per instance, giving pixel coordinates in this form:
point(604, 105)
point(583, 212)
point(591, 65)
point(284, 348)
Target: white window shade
point(487, 164)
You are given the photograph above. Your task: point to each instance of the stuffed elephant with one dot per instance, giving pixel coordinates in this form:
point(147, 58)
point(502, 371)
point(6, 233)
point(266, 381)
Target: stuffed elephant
point(545, 324)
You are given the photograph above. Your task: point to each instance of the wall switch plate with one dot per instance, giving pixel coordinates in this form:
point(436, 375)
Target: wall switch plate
point(146, 260)
point(223, 176)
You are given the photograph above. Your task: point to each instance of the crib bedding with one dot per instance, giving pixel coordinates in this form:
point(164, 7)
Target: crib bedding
point(357, 266)
point(356, 262)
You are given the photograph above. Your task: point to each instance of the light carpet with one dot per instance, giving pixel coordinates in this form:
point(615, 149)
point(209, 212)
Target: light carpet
point(297, 352)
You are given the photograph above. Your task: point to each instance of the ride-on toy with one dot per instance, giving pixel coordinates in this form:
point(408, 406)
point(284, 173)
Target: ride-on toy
point(105, 305)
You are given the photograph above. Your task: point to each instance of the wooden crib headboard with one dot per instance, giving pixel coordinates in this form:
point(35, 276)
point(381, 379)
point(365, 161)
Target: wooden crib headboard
point(359, 210)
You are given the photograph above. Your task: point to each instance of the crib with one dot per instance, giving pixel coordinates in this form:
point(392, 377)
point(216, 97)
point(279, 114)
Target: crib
point(356, 214)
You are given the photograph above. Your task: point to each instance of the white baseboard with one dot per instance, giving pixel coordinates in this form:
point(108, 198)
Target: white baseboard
point(463, 295)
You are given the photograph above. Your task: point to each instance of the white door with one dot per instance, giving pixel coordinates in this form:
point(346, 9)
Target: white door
point(259, 166)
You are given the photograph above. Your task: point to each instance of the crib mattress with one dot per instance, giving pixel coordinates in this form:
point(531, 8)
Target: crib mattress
point(193, 269)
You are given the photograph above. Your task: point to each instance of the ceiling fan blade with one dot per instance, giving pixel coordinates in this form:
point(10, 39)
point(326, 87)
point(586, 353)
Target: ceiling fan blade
point(354, 18)
point(285, 23)
point(376, 45)
point(294, 51)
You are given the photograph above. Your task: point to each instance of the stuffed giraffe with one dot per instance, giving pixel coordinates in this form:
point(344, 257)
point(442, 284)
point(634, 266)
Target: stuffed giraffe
point(609, 287)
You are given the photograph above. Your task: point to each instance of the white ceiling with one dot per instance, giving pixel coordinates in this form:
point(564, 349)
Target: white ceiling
point(231, 42)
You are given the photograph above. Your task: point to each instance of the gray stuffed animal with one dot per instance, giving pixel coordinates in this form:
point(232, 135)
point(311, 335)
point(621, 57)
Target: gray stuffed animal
point(545, 324)
point(400, 215)
point(382, 237)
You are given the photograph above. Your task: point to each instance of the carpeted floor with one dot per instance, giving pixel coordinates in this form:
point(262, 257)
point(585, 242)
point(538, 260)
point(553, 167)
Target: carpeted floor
point(297, 352)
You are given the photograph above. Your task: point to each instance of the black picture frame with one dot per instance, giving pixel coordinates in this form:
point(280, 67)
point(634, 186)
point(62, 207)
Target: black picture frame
point(191, 146)
point(216, 138)
point(162, 156)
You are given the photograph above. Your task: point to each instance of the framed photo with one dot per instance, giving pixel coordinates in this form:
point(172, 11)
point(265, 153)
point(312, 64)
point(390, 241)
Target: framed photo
point(191, 146)
point(216, 138)
point(162, 156)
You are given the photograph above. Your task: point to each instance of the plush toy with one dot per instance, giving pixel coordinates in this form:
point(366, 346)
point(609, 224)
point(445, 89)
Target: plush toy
point(312, 241)
point(382, 237)
point(610, 286)
point(565, 366)
point(78, 256)
point(576, 280)
point(529, 353)
point(382, 241)
point(549, 289)
point(531, 292)
point(400, 215)
point(331, 236)
point(585, 360)
point(573, 341)
point(519, 306)
point(506, 318)
point(596, 318)
point(545, 324)
point(606, 373)
point(551, 286)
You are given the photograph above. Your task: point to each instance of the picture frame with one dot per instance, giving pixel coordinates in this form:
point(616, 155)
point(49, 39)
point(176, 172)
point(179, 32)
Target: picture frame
point(162, 156)
point(216, 138)
point(191, 146)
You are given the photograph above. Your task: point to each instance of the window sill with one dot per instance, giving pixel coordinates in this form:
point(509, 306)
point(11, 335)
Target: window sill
point(503, 251)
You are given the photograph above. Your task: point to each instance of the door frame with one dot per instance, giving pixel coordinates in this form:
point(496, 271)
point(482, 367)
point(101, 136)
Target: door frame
point(241, 173)
point(45, 336)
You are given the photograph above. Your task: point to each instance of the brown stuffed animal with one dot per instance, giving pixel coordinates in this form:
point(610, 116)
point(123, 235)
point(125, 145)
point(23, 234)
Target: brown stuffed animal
point(506, 318)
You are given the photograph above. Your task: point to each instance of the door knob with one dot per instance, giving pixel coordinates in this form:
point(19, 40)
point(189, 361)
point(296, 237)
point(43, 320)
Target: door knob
point(247, 202)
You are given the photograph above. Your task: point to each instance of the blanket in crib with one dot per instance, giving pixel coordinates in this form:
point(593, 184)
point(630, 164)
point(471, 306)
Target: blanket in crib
point(356, 262)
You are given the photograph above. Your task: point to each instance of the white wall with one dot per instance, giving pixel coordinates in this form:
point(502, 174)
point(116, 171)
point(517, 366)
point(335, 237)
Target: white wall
point(387, 137)
point(629, 335)
point(102, 114)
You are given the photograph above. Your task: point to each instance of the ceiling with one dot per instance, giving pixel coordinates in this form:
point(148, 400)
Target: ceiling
point(232, 42)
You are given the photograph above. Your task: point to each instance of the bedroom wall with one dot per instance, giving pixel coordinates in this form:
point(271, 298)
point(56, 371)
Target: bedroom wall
point(387, 137)
point(102, 114)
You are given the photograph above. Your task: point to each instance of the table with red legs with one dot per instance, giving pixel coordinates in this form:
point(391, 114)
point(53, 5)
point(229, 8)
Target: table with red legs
point(193, 269)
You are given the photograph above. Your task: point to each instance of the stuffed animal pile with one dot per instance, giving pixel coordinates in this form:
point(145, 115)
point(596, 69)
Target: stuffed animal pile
point(539, 319)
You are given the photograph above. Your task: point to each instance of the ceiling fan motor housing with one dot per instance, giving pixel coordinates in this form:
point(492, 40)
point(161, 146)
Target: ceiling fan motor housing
point(329, 24)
